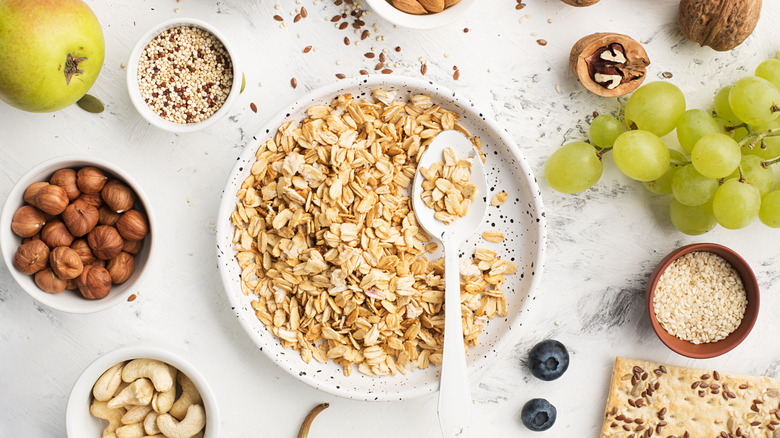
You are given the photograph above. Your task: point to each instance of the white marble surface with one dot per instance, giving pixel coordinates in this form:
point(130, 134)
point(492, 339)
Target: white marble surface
point(603, 243)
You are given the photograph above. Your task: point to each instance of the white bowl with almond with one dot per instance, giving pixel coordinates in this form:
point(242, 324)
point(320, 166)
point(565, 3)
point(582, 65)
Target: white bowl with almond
point(76, 234)
point(145, 390)
point(421, 14)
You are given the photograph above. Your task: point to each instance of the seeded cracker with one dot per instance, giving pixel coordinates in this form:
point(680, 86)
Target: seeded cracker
point(650, 399)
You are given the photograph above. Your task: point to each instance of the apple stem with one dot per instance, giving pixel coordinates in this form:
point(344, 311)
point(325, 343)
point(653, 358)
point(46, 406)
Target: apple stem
point(72, 67)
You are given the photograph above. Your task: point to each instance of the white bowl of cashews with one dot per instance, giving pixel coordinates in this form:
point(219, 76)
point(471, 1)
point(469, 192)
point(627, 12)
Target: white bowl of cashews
point(142, 391)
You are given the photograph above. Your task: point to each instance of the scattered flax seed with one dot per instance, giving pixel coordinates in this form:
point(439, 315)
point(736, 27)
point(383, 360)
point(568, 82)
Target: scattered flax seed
point(363, 72)
point(424, 69)
point(465, 30)
point(382, 57)
point(397, 48)
point(456, 75)
point(369, 55)
point(294, 83)
point(386, 71)
point(365, 34)
point(297, 18)
point(253, 107)
point(700, 298)
point(341, 75)
point(335, 18)
point(379, 66)
point(667, 74)
point(132, 297)
point(304, 12)
point(494, 236)
point(346, 41)
point(541, 42)
point(278, 18)
point(307, 49)
point(343, 25)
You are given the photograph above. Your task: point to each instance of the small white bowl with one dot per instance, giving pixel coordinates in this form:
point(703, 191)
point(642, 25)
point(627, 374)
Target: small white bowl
point(135, 93)
point(428, 21)
point(70, 301)
point(79, 423)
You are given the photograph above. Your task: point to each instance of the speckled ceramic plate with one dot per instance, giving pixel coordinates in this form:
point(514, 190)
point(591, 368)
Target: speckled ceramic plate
point(521, 219)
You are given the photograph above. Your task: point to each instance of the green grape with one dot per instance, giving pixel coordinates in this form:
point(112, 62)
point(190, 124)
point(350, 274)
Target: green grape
point(716, 155)
point(723, 109)
point(641, 155)
point(663, 185)
point(735, 204)
point(770, 70)
point(693, 125)
point(754, 100)
point(655, 107)
point(689, 187)
point(604, 130)
point(769, 148)
point(692, 220)
point(573, 168)
point(755, 174)
point(769, 213)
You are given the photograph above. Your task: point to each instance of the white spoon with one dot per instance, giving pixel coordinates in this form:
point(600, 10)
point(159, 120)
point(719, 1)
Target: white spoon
point(454, 392)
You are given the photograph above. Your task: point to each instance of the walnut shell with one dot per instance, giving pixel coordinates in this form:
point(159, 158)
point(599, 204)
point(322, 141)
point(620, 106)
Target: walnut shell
point(31, 257)
point(580, 3)
point(94, 283)
point(720, 24)
point(609, 64)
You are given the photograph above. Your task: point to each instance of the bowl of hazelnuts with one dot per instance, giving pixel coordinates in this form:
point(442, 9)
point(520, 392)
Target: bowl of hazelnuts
point(76, 234)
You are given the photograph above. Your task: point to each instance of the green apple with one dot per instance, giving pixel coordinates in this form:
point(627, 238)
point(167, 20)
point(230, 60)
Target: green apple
point(51, 52)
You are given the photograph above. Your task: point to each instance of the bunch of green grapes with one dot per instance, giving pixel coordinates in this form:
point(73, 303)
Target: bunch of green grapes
point(721, 174)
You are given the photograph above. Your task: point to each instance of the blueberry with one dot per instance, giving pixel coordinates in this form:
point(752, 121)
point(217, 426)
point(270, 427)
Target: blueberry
point(548, 360)
point(538, 415)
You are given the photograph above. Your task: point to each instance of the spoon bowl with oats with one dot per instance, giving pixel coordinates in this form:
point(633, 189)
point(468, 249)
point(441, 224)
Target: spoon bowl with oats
point(449, 200)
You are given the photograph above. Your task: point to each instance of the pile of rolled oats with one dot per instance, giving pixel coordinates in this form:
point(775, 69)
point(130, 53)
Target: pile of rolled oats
point(446, 188)
point(329, 246)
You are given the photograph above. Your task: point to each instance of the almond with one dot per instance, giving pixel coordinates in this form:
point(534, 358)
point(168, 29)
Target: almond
point(448, 3)
point(409, 6)
point(432, 5)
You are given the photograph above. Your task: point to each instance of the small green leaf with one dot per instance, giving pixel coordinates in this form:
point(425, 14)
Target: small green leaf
point(90, 104)
point(243, 83)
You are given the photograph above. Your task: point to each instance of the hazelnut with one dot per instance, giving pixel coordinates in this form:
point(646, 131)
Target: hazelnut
point(99, 263)
point(65, 262)
point(105, 241)
point(121, 267)
point(29, 194)
point(118, 196)
point(84, 251)
point(66, 178)
point(55, 234)
point(35, 237)
point(48, 282)
point(94, 199)
point(90, 180)
point(27, 221)
point(132, 225)
point(51, 199)
point(94, 283)
point(80, 217)
point(106, 216)
point(31, 257)
point(133, 246)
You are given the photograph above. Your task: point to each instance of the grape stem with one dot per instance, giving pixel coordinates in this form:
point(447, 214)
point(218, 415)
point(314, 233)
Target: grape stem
point(600, 151)
point(735, 127)
point(741, 175)
point(751, 140)
point(679, 163)
point(768, 163)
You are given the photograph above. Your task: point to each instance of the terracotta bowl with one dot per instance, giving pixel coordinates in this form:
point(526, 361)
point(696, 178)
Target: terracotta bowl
point(703, 351)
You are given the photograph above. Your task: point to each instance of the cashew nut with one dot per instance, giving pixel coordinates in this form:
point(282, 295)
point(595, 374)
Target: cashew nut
point(136, 414)
point(154, 370)
point(137, 393)
point(135, 430)
point(192, 423)
point(101, 410)
point(189, 395)
point(109, 381)
point(150, 424)
point(163, 401)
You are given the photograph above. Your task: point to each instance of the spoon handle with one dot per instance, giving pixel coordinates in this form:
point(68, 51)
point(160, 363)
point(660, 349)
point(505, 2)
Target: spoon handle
point(454, 391)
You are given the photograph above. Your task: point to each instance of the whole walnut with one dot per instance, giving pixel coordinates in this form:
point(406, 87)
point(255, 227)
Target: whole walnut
point(720, 24)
